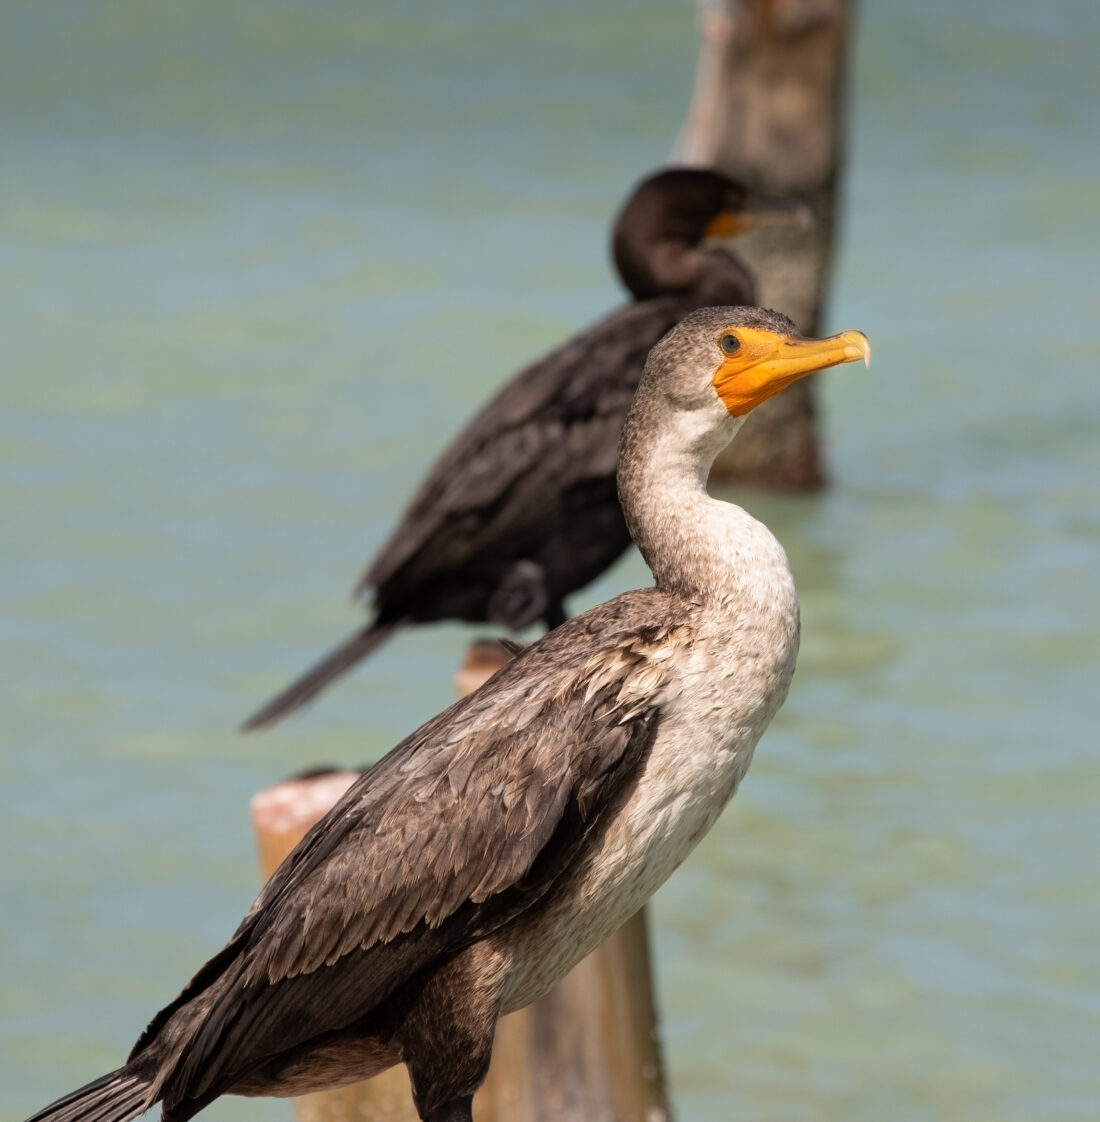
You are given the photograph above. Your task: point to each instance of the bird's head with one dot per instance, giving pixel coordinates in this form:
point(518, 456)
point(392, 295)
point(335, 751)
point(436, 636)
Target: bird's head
point(726, 361)
point(669, 215)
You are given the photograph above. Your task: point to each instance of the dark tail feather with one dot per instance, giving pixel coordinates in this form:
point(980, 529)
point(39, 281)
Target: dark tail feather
point(314, 680)
point(116, 1097)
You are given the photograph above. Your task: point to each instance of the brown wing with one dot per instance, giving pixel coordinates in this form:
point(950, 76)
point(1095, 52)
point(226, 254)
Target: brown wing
point(461, 827)
point(553, 426)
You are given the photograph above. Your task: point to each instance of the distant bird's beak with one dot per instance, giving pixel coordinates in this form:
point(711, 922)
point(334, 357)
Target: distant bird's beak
point(759, 210)
point(768, 362)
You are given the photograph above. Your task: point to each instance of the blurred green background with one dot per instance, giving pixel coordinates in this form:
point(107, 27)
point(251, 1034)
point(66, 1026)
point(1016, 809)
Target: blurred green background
point(257, 261)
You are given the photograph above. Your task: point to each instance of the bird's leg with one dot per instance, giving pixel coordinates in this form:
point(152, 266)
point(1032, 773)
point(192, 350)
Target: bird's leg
point(457, 1110)
point(520, 597)
point(555, 613)
point(447, 1061)
point(446, 1033)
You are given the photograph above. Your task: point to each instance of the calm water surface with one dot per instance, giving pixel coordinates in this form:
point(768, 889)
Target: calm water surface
point(256, 264)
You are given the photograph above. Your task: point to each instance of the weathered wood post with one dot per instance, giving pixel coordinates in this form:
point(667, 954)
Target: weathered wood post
point(768, 109)
point(587, 1051)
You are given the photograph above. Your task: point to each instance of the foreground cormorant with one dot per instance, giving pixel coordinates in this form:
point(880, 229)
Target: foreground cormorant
point(469, 869)
point(520, 510)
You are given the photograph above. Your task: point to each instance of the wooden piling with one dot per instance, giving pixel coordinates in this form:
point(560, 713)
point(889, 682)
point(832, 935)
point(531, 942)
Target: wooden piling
point(587, 1051)
point(768, 108)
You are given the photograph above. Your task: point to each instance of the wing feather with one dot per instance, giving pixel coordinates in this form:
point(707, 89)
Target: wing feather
point(553, 425)
point(460, 828)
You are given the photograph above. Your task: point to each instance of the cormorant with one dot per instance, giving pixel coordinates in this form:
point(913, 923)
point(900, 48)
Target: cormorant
point(520, 510)
point(470, 868)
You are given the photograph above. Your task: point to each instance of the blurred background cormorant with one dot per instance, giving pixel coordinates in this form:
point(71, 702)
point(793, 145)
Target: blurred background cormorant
point(521, 509)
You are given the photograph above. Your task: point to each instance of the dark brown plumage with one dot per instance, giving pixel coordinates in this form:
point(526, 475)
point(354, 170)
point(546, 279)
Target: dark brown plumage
point(368, 945)
point(520, 510)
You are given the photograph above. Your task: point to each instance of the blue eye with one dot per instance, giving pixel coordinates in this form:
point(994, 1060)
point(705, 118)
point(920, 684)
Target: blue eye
point(730, 344)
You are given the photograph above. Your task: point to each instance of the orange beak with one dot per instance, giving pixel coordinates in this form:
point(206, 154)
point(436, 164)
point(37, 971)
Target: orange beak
point(768, 362)
point(758, 210)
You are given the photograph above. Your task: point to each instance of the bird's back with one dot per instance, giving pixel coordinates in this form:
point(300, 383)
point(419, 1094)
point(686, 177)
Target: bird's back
point(530, 478)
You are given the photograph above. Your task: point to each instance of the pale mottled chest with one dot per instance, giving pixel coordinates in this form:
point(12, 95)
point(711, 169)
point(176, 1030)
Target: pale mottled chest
point(718, 698)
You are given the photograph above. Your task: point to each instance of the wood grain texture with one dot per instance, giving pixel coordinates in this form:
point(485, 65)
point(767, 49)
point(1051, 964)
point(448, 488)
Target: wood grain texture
point(768, 108)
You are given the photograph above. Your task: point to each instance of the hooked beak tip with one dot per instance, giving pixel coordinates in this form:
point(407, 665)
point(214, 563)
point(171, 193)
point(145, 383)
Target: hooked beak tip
point(857, 346)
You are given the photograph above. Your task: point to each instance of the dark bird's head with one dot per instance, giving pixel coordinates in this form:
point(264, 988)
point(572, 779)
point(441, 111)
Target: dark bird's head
point(659, 234)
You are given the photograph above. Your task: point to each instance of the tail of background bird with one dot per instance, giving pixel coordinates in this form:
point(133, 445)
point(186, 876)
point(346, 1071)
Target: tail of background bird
point(314, 680)
point(116, 1097)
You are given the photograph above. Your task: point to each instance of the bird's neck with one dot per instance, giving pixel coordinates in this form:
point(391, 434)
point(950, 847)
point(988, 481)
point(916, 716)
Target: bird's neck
point(698, 547)
point(669, 266)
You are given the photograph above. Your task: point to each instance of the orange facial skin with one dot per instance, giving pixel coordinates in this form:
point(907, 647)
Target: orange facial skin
point(761, 362)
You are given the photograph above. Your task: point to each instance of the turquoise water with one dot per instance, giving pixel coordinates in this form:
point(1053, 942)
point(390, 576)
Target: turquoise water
point(255, 265)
